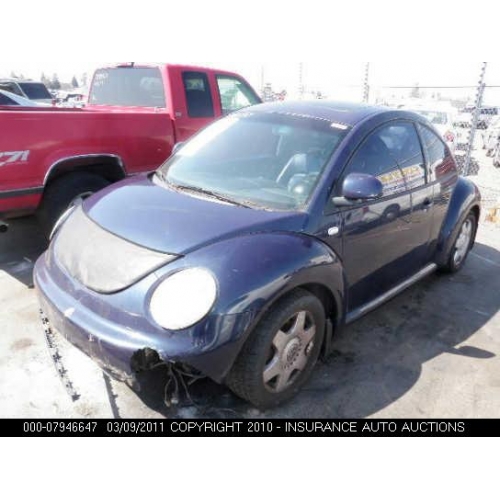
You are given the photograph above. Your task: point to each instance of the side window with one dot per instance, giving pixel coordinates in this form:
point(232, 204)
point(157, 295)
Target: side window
point(392, 154)
point(404, 144)
point(6, 101)
point(234, 94)
point(440, 160)
point(198, 95)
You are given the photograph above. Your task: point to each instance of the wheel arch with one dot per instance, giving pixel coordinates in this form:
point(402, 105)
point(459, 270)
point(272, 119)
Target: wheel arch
point(465, 199)
point(332, 301)
point(108, 166)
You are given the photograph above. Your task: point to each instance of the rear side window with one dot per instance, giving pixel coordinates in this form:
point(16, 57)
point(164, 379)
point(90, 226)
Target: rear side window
point(6, 101)
point(439, 157)
point(130, 86)
point(198, 95)
point(235, 94)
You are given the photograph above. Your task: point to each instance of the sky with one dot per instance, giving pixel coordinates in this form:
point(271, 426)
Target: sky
point(331, 39)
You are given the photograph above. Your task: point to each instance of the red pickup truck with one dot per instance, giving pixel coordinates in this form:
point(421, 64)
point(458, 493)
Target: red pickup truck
point(134, 116)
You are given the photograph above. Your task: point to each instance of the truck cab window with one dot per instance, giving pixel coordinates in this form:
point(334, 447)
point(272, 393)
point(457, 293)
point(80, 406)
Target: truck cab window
point(198, 96)
point(128, 86)
point(235, 94)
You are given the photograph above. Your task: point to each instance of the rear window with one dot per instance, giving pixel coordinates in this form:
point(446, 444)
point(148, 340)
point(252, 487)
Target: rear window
point(34, 91)
point(128, 87)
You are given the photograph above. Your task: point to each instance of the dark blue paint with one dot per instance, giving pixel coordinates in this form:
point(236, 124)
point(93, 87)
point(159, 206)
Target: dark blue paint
point(256, 256)
point(162, 219)
point(362, 187)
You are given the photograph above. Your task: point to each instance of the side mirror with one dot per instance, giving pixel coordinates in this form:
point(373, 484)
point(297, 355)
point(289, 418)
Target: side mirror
point(359, 187)
point(176, 147)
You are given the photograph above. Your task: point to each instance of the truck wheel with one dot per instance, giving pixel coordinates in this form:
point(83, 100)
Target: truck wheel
point(64, 191)
point(281, 352)
point(464, 241)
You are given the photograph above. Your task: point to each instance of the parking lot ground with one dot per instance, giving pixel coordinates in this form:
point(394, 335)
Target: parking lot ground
point(433, 352)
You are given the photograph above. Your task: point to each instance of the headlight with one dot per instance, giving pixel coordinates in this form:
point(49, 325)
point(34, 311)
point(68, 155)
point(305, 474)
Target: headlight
point(183, 299)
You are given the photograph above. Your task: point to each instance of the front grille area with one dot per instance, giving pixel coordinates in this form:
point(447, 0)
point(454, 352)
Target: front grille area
point(100, 260)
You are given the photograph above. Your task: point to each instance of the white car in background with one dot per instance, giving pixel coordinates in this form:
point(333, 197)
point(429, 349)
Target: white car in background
point(10, 99)
point(443, 121)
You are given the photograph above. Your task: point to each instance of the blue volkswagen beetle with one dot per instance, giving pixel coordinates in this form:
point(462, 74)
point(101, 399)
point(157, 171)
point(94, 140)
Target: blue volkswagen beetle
point(241, 256)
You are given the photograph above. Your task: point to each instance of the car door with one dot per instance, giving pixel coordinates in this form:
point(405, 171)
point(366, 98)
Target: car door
point(374, 238)
point(418, 183)
point(199, 108)
point(442, 177)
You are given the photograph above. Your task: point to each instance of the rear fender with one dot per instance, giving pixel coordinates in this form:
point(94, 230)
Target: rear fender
point(465, 197)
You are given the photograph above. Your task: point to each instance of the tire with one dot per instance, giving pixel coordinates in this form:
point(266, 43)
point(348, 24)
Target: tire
point(280, 346)
point(462, 244)
point(62, 192)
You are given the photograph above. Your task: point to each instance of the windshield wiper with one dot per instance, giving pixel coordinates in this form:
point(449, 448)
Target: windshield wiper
point(211, 194)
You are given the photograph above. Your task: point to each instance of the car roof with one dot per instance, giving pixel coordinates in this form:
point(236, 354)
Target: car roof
point(345, 113)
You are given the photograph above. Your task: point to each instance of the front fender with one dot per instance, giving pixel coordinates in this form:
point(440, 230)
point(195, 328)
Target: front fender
point(253, 272)
point(465, 197)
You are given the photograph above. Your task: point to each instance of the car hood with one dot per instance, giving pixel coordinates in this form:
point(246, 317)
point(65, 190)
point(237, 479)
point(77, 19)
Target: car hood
point(161, 219)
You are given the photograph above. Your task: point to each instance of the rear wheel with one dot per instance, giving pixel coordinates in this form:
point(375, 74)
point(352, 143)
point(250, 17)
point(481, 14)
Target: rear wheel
point(462, 244)
point(280, 354)
point(65, 191)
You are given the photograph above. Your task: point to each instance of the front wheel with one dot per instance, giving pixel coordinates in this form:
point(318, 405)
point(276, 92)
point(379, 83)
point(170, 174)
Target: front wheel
point(280, 354)
point(462, 244)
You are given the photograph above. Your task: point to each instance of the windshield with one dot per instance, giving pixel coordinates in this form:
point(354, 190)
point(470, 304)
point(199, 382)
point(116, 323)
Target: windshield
point(35, 91)
point(435, 117)
point(269, 160)
point(128, 86)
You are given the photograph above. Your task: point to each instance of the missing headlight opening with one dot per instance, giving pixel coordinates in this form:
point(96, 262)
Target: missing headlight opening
point(180, 377)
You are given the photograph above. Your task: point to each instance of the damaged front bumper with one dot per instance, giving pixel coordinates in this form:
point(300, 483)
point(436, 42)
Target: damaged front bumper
point(118, 340)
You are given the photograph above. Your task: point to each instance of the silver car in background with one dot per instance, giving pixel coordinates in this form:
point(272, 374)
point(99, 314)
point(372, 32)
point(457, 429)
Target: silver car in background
point(10, 99)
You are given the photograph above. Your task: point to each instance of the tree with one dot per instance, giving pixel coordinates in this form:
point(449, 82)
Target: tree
point(13, 75)
point(74, 82)
point(45, 80)
point(55, 83)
